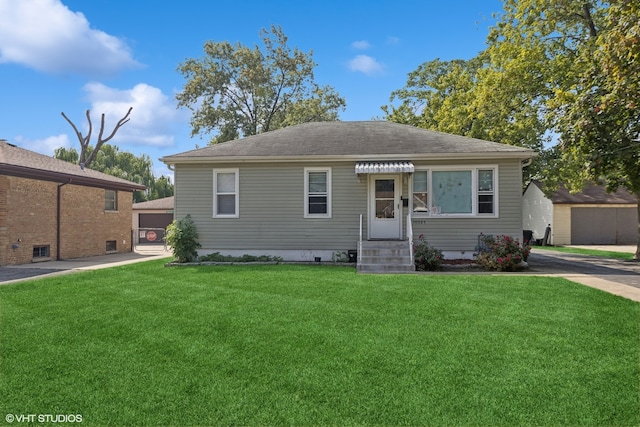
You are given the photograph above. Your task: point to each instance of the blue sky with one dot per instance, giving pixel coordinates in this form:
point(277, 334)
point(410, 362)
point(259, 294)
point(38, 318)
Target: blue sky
point(108, 55)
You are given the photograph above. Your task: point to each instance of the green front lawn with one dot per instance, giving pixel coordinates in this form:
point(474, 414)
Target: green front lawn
point(586, 251)
point(315, 345)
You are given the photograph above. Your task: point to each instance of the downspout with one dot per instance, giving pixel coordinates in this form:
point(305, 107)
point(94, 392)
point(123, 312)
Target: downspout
point(636, 256)
point(58, 214)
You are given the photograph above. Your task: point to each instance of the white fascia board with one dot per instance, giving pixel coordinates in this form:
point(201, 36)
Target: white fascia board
point(521, 155)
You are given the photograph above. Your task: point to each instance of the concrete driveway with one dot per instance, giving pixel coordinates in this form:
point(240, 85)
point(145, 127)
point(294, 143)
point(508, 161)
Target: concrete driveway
point(615, 276)
point(17, 273)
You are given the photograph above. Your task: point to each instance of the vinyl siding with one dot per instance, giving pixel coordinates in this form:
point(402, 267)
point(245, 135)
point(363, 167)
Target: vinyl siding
point(271, 209)
point(561, 225)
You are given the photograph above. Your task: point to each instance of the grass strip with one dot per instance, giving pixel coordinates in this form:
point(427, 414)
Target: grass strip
point(584, 251)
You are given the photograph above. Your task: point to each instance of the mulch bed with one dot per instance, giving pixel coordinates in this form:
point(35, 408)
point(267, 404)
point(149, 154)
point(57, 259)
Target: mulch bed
point(458, 262)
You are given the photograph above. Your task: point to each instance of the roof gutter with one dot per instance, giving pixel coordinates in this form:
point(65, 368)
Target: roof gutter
point(61, 177)
point(346, 158)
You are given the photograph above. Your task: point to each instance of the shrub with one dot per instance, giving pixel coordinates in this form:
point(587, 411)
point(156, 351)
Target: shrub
point(501, 253)
point(425, 256)
point(182, 237)
point(218, 257)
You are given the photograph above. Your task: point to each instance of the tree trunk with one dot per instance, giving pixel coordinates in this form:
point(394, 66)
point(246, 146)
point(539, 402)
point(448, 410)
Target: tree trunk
point(636, 256)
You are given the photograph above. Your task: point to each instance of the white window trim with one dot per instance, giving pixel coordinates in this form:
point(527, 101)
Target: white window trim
point(474, 191)
point(236, 193)
point(306, 192)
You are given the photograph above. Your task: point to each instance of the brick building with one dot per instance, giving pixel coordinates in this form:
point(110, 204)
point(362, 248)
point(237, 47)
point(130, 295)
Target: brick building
point(51, 209)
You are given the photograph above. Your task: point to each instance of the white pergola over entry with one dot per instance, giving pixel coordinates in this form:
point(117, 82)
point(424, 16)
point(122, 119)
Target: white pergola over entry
point(384, 167)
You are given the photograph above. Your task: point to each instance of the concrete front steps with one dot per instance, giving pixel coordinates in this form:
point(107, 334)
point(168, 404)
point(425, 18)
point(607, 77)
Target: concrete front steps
point(385, 256)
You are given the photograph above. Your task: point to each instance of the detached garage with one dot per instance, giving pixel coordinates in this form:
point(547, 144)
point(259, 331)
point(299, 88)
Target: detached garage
point(150, 220)
point(591, 217)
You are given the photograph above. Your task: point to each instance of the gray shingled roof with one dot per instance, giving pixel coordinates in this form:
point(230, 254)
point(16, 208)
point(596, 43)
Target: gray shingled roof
point(366, 139)
point(16, 161)
point(165, 203)
point(592, 194)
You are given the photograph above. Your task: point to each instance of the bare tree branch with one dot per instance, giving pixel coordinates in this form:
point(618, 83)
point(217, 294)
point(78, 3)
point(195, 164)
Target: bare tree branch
point(83, 160)
point(101, 141)
point(83, 140)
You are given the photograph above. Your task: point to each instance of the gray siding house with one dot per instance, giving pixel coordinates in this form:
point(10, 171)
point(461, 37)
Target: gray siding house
point(317, 190)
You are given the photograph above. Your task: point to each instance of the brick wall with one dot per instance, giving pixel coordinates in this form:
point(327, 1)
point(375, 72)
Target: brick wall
point(30, 218)
point(4, 229)
point(86, 226)
point(28, 210)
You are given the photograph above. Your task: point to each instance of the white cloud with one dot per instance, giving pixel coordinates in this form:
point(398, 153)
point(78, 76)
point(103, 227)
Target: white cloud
point(45, 35)
point(46, 146)
point(365, 64)
point(152, 119)
point(393, 40)
point(361, 45)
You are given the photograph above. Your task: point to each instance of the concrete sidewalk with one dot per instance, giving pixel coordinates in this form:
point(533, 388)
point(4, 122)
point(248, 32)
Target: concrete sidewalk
point(615, 276)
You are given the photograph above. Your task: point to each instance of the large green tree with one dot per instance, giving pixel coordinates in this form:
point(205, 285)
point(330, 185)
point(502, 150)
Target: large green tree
point(600, 120)
point(557, 74)
point(236, 91)
point(123, 164)
point(586, 53)
point(465, 97)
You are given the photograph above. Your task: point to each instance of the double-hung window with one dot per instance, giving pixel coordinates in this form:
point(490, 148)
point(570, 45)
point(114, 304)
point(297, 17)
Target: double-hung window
point(486, 192)
point(420, 191)
point(110, 200)
point(317, 192)
point(225, 193)
point(454, 192)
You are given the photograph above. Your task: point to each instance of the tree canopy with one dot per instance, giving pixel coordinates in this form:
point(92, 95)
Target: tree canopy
point(559, 76)
point(123, 164)
point(236, 90)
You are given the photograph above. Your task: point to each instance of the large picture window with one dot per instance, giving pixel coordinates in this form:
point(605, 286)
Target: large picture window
point(454, 192)
point(451, 192)
point(317, 193)
point(225, 193)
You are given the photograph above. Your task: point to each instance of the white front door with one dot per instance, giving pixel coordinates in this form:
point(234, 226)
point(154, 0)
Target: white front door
point(385, 211)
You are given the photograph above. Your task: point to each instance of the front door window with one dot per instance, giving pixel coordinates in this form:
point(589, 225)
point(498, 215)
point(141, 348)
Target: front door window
point(385, 198)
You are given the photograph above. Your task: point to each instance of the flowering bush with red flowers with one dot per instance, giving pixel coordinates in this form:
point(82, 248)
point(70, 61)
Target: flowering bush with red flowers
point(501, 253)
point(425, 256)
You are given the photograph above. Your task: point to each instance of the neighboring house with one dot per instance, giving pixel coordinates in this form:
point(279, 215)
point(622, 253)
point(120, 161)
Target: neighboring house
point(150, 220)
point(590, 217)
point(315, 190)
point(51, 209)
